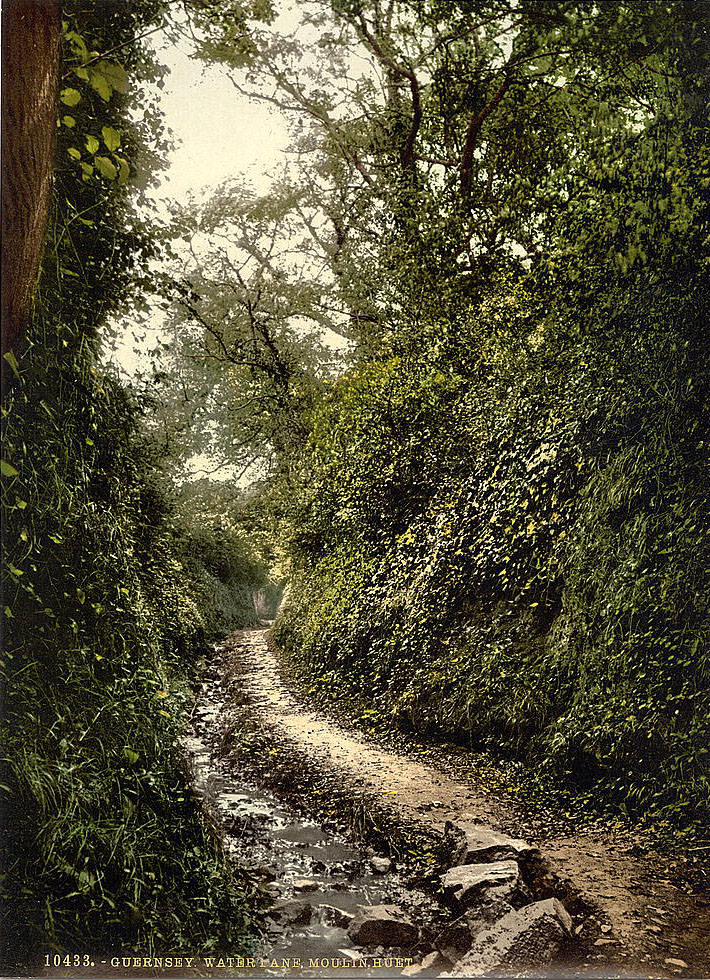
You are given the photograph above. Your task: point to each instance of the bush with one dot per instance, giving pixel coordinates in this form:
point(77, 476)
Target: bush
point(103, 847)
point(510, 546)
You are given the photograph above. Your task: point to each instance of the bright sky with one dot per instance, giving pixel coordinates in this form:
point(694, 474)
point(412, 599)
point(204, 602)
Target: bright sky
point(220, 133)
point(217, 133)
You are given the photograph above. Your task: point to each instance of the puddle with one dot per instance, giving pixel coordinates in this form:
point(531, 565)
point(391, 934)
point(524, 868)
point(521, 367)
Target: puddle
point(294, 856)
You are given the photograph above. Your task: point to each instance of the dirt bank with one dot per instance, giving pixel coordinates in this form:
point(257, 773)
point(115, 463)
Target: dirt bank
point(640, 920)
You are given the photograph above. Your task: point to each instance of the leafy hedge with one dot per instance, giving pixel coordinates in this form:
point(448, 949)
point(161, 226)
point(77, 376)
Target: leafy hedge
point(105, 610)
point(514, 550)
point(103, 846)
point(503, 528)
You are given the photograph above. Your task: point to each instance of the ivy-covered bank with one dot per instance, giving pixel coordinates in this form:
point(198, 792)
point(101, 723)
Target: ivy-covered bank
point(105, 617)
point(107, 601)
point(503, 527)
point(523, 566)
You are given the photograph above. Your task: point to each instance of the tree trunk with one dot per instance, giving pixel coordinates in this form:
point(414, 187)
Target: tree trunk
point(31, 33)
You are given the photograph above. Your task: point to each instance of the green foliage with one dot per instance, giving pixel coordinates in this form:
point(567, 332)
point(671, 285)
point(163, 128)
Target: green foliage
point(516, 554)
point(103, 848)
point(435, 146)
point(502, 531)
point(224, 577)
point(103, 845)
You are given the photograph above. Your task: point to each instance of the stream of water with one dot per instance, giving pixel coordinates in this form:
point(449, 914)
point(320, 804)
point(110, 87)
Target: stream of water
point(315, 873)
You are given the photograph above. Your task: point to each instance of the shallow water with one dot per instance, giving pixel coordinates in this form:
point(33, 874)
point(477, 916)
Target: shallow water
point(282, 846)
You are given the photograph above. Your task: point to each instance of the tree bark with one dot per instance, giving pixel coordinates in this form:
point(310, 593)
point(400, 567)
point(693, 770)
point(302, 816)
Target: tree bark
point(31, 34)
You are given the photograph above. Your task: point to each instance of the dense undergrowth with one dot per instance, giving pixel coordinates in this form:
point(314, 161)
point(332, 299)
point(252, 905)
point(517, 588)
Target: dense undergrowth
point(108, 600)
point(104, 848)
point(529, 572)
point(503, 528)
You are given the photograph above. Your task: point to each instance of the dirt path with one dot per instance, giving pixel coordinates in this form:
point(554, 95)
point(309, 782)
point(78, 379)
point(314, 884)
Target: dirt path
point(642, 919)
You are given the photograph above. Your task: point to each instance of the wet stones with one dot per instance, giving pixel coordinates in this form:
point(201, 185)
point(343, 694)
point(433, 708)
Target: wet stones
point(529, 936)
point(469, 884)
point(305, 885)
point(329, 915)
point(382, 925)
point(380, 865)
point(291, 912)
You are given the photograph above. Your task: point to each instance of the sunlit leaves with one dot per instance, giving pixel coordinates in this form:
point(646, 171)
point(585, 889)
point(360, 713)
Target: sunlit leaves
point(114, 75)
point(70, 96)
point(111, 138)
point(106, 167)
point(124, 170)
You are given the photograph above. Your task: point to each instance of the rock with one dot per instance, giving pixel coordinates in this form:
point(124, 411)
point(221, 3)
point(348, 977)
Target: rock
point(332, 916)
point(432, 963)
point(291, 912)
point(380, 865)
point(266, 873)
point(270, 888)
point(352, 954)
point(458, 937)
point(524, 937)
point(413, 970)
point(386, 925)
point(477, 843)
point(305, 885)
point(435, 961)
point(471, 883)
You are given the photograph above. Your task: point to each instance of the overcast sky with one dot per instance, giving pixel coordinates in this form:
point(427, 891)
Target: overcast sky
point(219, 132)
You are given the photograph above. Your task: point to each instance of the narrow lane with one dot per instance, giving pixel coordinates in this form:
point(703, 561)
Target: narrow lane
point(643, 919)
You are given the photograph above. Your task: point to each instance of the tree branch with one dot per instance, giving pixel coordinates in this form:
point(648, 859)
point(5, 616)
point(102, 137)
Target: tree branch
point(474, 128)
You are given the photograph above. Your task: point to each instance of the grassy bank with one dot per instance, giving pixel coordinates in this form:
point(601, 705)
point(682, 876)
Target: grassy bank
point(105, 616)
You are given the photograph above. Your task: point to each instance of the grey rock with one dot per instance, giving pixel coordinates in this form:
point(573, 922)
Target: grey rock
point(530, 936)
point(382, 925)
point(305, 885)
point(352, 954)
point(472, 883)
point(380, 865)
point(476, 843)
point(413, 970)
point(290, 912)
point(270, 888)
point(332, 916)
point(266, 873)
point(432, 963)
point(458, 937)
